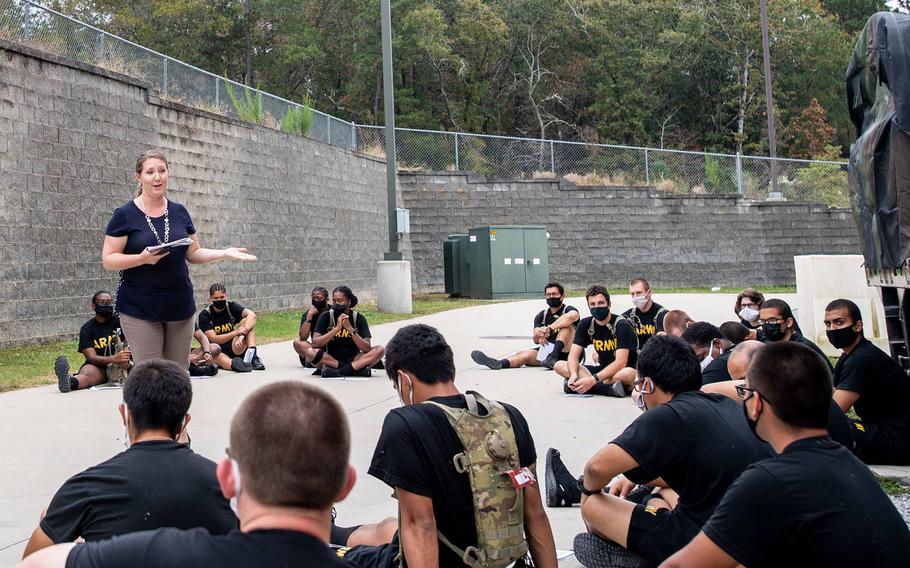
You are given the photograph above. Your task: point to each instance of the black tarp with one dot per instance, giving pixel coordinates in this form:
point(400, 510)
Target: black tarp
point(878, 96)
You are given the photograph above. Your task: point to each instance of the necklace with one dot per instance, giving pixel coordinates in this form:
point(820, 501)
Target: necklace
point(167, 226)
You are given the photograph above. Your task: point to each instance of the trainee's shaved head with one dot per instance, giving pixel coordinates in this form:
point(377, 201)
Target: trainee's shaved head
point(741, 357)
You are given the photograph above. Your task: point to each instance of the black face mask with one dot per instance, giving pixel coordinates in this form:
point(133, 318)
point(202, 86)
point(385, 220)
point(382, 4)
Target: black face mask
point(338, 309)
point(320, 304)
point(104, 311)
point(219, 304)
point(600, 313)
point(753, 424)
point(841, 338)
point(773, 331)
point(554, 302)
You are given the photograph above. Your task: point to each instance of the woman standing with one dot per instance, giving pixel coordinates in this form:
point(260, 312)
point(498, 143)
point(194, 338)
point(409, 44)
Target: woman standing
point(155, 295)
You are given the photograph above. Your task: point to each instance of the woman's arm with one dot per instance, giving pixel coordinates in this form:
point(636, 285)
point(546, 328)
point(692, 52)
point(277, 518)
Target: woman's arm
point(113, 257)
point(198, 255)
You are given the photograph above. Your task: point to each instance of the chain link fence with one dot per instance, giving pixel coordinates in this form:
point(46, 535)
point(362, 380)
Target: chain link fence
point(39, 27)
point(673, 172)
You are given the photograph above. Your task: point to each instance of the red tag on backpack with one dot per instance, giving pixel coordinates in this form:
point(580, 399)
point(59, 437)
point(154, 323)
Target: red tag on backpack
point(521, 477)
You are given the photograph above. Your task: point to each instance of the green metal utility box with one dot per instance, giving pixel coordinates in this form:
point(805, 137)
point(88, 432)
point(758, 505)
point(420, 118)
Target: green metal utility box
point(455, 265)
point(508, 261)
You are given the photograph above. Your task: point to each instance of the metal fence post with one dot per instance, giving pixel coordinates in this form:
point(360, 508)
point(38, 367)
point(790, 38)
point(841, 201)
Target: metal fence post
point(258, 99)
point(100, 46)
point(328, 130)
point(457, 160)
point(647, 169)
point(26, 16)
point(217, 92)
point(164, 84)
point(353, 136)
point(739, 172)
point(552, 158)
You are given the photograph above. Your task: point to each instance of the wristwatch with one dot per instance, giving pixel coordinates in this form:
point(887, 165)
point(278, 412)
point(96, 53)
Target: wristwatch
point(588, 492)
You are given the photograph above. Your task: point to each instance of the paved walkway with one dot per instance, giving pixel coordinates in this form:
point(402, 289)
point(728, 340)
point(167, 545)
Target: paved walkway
point(48, 436)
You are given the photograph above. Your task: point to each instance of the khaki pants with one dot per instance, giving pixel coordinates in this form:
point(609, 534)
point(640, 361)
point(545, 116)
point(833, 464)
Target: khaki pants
point(169, 340)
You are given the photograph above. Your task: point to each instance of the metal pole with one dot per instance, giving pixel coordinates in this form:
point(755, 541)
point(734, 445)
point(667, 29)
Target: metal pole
point(164, 83)
point(552, 158)
point(26, 16)
point(328, 130)
point(353, 136)
point(457, 157)
point(739, 172)
point(647, 169)
point(769, 94)
point(100, 46)
point(388, 94)
point(217, 92)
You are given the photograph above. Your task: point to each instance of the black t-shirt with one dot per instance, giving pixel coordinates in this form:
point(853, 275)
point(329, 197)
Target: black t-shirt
point(171, 548)
point(415, 452)
point(303, 320)
point(99, 336)
point(153, 484)
point(716, 371)
point(840, 428)
point(801, 339)
point(547, 317)
point(221, 322)
point(813, 505)
point(161, 291)
point(342, 346)
point(698, 443)
point(648, 323)
point(604, 340)
point(883, 387)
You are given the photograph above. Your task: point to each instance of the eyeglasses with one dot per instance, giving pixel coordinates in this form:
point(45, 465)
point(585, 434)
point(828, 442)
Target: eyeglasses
point(748, 305)
point(771, 321)
point(552, 295)
point(745, 392)
point(639, 385)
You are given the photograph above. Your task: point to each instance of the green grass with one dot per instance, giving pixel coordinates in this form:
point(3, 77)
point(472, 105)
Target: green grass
point(892, 487)
point(766, 290)
point(32, 366)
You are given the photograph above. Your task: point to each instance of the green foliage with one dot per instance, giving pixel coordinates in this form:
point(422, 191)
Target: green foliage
point(822, 183)
point(662, 73)
point(298, 120)
point(249, 107)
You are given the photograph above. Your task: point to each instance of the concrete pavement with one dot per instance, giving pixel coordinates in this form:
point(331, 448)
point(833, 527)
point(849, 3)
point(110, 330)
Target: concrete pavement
point(47, 436)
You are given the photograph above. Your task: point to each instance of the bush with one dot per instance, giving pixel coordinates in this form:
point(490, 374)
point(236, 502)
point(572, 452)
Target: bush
point(299, 119)
point(249, 108)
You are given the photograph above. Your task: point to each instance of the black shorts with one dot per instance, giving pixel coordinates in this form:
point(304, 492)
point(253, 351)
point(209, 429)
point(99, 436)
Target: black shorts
point(228, 349)
point(880, 446)
point(656, 534)
point(383, 556)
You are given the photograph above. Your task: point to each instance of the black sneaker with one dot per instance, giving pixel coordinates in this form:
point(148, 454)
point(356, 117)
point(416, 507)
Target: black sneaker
point(482, 358)
point(591, 551)
point(203, 370)
point(317, 372)
point(330, 372)
point(640, 493)
point(365, 372)
point(561, 489)
point(550, 361)
point(257, 363)
point(241, 366)
point(379, 365)
point(62, 370)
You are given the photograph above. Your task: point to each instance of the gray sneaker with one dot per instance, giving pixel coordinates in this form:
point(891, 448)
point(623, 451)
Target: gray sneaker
point(241, 366)
point(591, 551)
point(482, 358)
point(618, 390)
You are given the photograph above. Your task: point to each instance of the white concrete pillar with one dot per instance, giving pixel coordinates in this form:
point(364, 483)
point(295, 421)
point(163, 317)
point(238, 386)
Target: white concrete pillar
point(822, 278)
point(393, 279)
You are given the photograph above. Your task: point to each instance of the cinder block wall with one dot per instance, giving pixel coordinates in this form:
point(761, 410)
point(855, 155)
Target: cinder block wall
point(69, 136)
point(610, 235)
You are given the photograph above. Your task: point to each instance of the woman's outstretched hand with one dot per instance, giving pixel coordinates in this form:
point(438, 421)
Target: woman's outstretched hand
point(239, 253)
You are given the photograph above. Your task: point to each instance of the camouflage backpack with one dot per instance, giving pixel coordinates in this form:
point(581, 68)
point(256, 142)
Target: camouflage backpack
point(491, 452)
